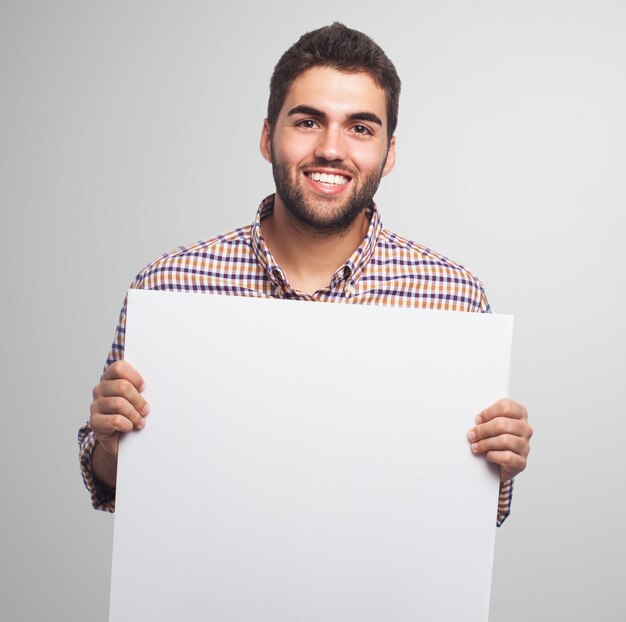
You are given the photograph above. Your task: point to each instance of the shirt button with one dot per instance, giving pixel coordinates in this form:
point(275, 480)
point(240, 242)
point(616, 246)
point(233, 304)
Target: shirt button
point(278, 291)
point(349, 289)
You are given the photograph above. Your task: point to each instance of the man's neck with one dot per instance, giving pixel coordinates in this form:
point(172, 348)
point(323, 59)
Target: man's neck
point(309, 259)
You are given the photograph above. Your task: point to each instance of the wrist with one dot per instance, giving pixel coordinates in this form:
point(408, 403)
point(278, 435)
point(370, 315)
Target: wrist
point(104, 465)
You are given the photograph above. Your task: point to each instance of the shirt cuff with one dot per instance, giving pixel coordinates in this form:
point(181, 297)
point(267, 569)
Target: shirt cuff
point(102, 497)
point(504, 501)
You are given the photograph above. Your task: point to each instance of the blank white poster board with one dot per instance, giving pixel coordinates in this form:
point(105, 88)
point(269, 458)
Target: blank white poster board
point(306, 462)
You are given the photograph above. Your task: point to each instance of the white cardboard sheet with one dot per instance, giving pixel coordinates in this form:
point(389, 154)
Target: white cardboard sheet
point(306, 462)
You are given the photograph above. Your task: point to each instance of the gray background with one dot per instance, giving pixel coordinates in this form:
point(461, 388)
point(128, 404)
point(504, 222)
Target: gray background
point(129, 128)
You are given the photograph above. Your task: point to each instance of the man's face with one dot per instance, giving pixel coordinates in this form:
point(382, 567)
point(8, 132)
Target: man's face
point(329, 148)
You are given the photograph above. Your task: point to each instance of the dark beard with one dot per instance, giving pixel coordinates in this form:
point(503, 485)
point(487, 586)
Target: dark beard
point(305, 215)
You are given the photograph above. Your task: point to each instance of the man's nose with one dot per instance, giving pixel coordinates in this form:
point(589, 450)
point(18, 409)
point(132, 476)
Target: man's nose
point(331, 144)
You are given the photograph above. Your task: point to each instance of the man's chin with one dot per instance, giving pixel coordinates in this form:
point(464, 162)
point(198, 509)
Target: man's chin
point(318, 212)
point(326, 216)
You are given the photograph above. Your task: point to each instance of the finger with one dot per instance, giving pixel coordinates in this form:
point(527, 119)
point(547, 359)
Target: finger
point(113, 406)
point(105, 425)
point(503, 408)
point(503, 442)
point(123, 388)
point(499, 426)
point(122, 370)
point(510, 464)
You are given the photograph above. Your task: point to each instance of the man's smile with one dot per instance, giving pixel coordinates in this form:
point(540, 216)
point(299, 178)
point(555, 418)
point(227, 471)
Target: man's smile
point(327, 178)
point(328, 182)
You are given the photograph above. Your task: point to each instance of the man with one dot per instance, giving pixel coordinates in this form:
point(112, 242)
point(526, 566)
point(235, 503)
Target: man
point(329, 136)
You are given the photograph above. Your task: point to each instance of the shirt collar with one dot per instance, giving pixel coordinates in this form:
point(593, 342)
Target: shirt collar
point(350, 271)
point(262, 252)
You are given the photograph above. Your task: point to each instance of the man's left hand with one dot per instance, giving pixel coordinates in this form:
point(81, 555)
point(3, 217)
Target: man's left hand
point(502, 433)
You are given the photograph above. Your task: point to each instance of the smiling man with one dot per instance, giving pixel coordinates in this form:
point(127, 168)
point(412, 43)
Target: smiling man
point(329, 136)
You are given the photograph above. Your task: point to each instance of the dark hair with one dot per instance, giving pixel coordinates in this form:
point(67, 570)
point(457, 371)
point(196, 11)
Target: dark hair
point(338, 47)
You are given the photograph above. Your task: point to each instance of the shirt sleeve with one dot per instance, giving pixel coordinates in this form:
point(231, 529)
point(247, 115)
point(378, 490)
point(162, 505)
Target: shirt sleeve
point(102, 497)
point(504, 501)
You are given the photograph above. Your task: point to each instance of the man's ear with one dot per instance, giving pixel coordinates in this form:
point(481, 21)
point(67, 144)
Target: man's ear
point(266, 139)
point(391, 157)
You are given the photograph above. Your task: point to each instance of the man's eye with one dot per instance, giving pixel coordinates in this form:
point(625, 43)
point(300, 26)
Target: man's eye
point(307, 123)
point(361, 129)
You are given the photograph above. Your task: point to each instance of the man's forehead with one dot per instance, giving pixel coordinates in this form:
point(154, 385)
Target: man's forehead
point(327, 88)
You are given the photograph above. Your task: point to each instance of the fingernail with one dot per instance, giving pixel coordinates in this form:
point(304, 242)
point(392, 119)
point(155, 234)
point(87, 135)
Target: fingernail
point(474, 447)
point(145, 410)
point(142, 387)
point(141, 424)
point(479, 419)
point(471, 435)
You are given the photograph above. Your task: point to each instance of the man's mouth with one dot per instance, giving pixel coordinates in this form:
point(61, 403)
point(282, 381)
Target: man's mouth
point(327, 178)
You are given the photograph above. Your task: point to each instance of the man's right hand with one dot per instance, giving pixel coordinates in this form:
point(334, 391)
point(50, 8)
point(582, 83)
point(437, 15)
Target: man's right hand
point(117, 406)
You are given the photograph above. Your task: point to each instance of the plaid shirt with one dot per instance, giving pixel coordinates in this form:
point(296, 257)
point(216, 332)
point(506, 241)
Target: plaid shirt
point(385, 269)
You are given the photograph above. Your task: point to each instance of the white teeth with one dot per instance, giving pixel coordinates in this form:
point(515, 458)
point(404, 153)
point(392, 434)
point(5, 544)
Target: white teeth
point(338, 180)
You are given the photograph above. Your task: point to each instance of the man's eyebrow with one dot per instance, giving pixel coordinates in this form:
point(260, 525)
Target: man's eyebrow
point(355, 116)
point(366, 116)
point(314, 112)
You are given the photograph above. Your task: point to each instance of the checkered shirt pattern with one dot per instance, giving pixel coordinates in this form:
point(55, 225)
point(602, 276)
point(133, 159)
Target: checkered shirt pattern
point(385, 269)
